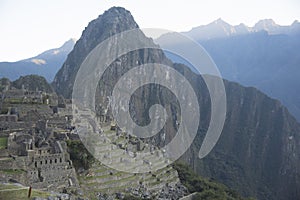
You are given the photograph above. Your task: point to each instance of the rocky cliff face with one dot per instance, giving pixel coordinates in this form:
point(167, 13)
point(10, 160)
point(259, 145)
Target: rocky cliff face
point(258, 152)
point(113, 21)
point(267, 60)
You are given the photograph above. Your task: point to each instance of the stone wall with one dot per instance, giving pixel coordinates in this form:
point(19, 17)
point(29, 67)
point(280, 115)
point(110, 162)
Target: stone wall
point(15, 126)
point(52, 170)
point(44, 168)
point(8, 118)
point(3, 153)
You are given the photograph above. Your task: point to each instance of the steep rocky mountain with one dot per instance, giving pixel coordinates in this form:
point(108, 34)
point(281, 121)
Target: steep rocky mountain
point(111, 22)
point(258, 152)
point(45, 64)
point(221, 29)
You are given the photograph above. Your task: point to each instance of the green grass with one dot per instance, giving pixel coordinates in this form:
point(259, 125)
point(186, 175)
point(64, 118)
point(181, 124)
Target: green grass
point(79, 155)
point(14, 100)
point(120, 139)
point(130, 178)
point(102, 169)
point(13, 192)
point(3, 142)
point(206, 189)
point(118, 174)
point(12, 171)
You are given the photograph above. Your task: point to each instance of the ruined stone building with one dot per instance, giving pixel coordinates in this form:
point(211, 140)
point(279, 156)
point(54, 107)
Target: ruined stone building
point(48, 166)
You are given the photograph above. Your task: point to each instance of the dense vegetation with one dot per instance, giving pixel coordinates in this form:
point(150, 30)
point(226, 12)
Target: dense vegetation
point(3, 142)
point(33, 82)
point(30, 82)
point(206, 189)
point(79, 154)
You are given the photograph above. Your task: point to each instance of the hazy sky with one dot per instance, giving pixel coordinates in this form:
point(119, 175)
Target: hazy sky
point(29, 27)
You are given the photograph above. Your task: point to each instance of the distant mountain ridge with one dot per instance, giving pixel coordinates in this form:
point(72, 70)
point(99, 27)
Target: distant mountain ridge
point(267, 62)
point(264, 56)
point(45, 64)
point(220, 29)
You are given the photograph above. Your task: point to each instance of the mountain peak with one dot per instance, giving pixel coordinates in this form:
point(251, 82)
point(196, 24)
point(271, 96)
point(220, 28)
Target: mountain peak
point(295, 23)
point(265, 24)
point(71, 40)
point(219, 21)
point(68, 45)
point(116, 10)
point(242, 29)
point(113, 21)
point(116, 15)
point(219, 28)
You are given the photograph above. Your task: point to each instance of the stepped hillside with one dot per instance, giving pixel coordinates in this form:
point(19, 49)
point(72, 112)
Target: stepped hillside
point(258, 153)
point(45, 64)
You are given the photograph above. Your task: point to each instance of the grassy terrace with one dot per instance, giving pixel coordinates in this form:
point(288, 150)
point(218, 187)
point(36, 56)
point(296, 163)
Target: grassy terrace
point(3, 142)
point(11, 171)
point(118, 181)
point(106, 180)
point(14, 192)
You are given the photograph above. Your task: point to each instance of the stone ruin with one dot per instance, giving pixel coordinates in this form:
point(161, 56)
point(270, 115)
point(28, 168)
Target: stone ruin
point(35, 150)
point(47, 164)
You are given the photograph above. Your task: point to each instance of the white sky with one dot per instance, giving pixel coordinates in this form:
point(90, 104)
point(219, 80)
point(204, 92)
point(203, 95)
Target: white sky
point(29, 27)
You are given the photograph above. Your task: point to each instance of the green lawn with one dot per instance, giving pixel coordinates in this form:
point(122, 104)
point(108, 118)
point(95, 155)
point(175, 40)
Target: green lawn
point(12, 171)
point(13, 192)
point(3, 142)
